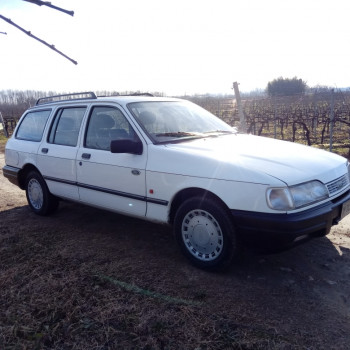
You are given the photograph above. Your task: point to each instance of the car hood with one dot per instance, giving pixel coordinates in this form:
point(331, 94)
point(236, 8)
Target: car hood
point(242, 157)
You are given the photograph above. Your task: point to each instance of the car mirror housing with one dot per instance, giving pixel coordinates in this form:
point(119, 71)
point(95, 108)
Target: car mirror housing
point(126, 146)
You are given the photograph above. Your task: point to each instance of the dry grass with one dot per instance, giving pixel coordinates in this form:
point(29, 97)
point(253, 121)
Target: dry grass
point(55, 295)
point(3, 141)
point(100, 283)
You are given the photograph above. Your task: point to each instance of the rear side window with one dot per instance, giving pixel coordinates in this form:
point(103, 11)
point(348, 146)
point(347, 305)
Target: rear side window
point(33, 125)
point(66, 125)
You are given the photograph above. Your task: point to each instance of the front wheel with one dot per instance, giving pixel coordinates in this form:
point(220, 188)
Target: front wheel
point(205, 233)
point(40, 200)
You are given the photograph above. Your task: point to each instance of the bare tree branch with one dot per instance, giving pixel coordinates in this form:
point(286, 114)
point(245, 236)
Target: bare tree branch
point(48, 4)
point(52, 47)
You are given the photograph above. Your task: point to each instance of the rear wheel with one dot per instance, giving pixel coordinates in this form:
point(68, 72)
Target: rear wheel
point(40, 200)
point(205, 233)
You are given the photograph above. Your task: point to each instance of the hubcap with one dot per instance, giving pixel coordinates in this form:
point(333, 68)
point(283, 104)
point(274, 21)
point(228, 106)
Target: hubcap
point(202, 235)
point(35, 194)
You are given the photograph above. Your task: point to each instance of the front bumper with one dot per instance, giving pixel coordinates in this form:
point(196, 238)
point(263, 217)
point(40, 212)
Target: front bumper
point(286, 230)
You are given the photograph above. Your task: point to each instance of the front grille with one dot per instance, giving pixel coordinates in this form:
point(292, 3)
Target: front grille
point(338, 184)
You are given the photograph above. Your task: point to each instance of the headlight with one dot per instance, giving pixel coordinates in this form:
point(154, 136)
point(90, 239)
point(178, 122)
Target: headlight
point(294, 197)
point(280, 198)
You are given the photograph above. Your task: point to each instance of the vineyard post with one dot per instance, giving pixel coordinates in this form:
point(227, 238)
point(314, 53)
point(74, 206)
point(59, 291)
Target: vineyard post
point(275, 120)
point(243, 126)
point(3, 125)
point(315, 120)
point(331, 122)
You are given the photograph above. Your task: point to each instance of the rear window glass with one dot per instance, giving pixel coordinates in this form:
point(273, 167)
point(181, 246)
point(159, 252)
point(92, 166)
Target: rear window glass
point(66, 126)
point(33, 125)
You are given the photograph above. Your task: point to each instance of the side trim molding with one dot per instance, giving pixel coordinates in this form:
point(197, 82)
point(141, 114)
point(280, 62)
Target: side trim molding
point(55, 179)
point(109, 191)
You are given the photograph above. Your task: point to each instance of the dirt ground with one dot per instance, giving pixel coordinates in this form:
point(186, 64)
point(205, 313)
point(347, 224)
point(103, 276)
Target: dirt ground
point(89, 279)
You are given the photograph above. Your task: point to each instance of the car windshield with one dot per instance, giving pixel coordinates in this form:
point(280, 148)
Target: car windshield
point(173, 121)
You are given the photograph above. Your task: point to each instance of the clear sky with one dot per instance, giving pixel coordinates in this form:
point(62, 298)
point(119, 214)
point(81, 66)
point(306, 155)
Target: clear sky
point(175, 47)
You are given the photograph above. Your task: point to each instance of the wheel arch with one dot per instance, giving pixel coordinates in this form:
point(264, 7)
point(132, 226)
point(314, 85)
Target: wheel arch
point(191, 192)
point(23, 174)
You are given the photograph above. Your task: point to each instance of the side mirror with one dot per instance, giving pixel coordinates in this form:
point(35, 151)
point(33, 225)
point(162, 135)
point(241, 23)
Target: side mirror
point(126, 146)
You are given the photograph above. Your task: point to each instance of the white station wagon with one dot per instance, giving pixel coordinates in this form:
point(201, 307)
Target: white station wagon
point(169, 161)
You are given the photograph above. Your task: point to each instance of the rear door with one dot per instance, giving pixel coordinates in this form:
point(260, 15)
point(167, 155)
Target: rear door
point(105, 179)
point(57, 154)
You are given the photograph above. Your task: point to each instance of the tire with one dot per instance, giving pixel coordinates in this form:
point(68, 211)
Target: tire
point(39, 198)
point(205, 233)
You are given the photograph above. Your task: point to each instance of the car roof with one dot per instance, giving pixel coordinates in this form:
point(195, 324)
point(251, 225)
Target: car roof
point(90, 97)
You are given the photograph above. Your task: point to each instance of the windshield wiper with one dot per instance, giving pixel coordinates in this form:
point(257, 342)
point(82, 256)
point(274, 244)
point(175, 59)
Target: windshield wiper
point(179, 134)
point(215, 132)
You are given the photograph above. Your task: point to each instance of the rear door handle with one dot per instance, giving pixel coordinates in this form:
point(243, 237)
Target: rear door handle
point(86, 155)
point(44, 150)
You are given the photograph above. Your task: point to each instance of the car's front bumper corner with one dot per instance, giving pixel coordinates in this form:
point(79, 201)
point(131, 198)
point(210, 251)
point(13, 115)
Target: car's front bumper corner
point(285, 230)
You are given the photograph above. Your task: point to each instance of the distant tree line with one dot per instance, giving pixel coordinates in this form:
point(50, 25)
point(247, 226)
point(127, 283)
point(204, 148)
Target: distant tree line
point(286, 87)
point(13, 103)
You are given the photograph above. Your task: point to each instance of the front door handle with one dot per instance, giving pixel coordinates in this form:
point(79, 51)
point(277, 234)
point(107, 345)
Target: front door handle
point(86, 155)
point(44, 150)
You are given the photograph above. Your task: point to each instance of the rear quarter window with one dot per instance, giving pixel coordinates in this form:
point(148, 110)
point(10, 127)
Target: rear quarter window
point(32, 126)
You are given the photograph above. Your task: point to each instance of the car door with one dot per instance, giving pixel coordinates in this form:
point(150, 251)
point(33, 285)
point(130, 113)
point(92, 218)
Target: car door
point(109, 180)
point(57, 154)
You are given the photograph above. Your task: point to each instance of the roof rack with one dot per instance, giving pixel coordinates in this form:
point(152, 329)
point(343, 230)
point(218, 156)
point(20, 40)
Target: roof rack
point(67, 97)
point(141, 94)
point(133, 94)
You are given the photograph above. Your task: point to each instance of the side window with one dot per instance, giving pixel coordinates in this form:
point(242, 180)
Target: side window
point(107, 124)
point(33, 125)
point(66, 125)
